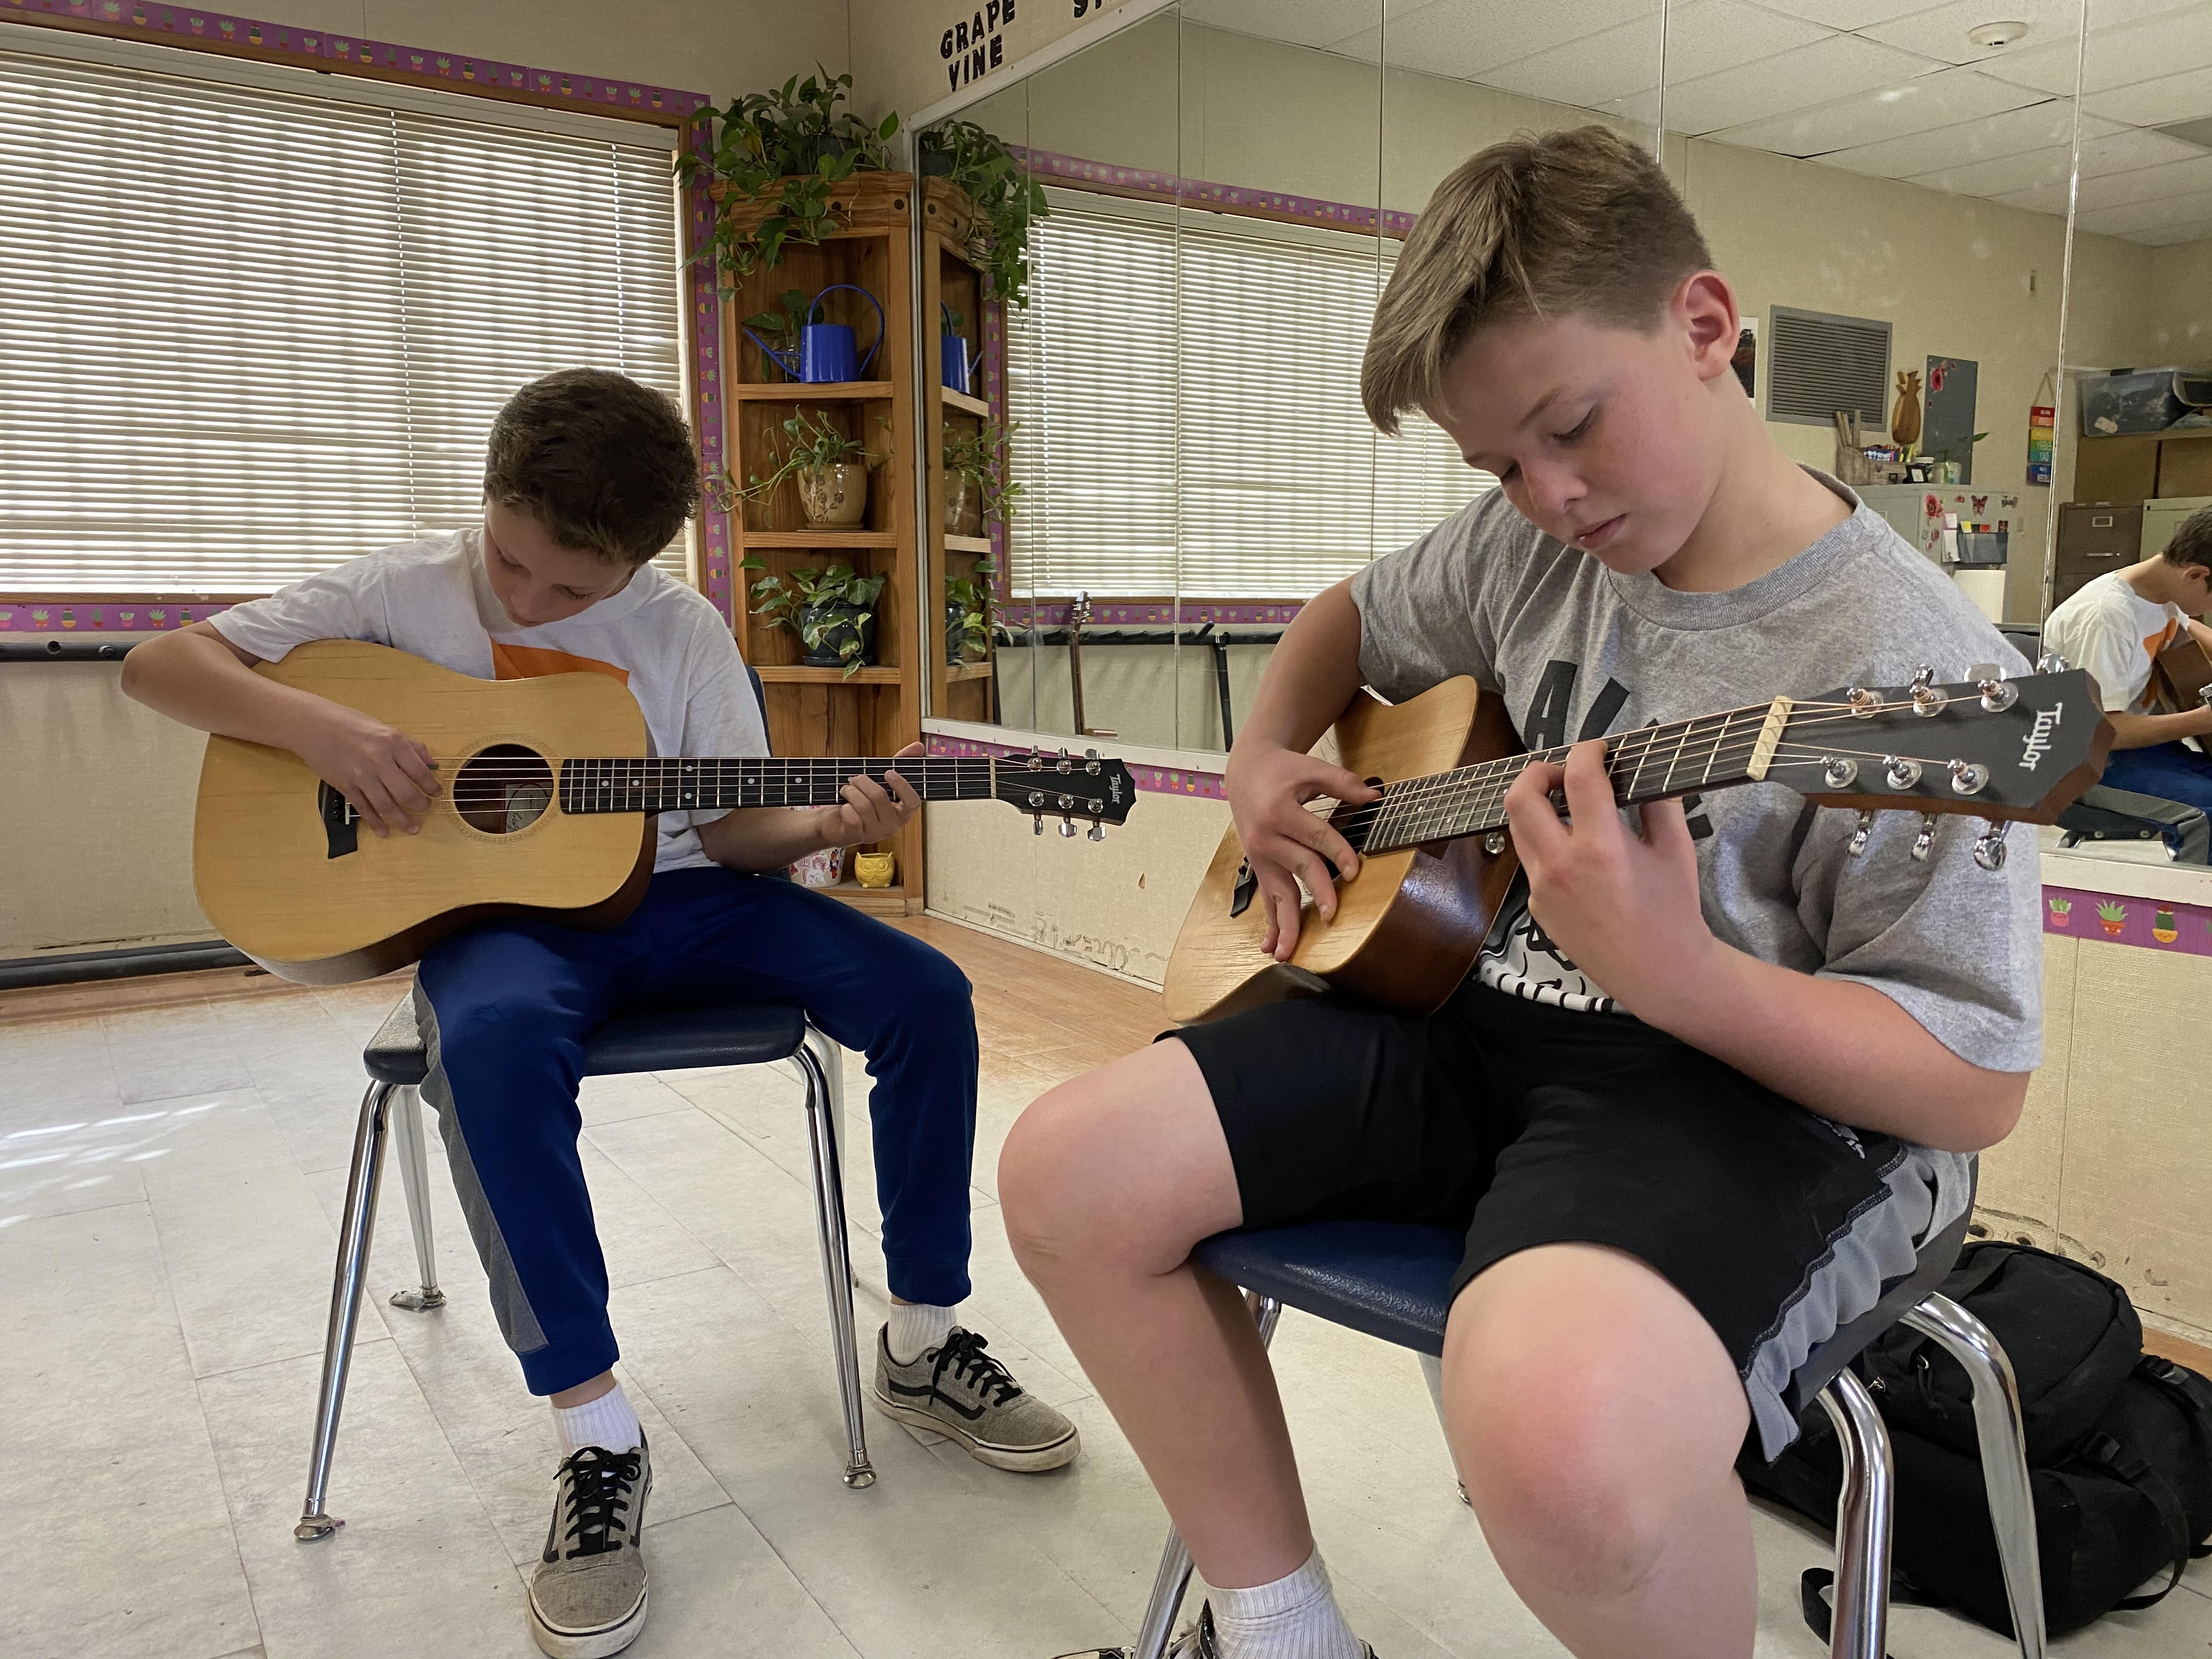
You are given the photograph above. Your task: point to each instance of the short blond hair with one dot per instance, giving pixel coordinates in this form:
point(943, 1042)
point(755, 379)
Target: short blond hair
point(1578, 222)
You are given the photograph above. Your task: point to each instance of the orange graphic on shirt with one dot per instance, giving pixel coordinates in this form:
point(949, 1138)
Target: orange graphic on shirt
point(530, 662)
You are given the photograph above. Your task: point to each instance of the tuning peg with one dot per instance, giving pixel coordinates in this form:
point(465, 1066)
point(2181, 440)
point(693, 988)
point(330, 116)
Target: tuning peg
point(1097, 832)
point(1900, 773)
point(1863, 701)
point(1090, 761)
point(1997, 693)
point(2051, 663)
point(1838, 771)
point(1968, 778)
point(1067, 829)
point(1926, 699)
point(1990, 848)
point(1037, 823)
point(1924, 843)
point(1857, 843)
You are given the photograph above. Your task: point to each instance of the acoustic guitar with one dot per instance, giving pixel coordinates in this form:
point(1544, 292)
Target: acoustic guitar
point(1435, 860)
point(547, 811)
point(2181, 676)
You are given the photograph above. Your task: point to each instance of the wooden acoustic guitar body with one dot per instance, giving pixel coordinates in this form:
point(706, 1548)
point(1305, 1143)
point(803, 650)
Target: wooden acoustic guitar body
point(286, 878)
point(1407, 927)
point(2181, 674)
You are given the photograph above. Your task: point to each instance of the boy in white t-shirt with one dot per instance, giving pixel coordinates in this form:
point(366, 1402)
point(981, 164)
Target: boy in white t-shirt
point(2114, 627)
point(590, 474)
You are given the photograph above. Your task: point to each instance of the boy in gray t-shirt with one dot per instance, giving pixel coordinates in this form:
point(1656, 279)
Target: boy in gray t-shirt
point(1717, 1076)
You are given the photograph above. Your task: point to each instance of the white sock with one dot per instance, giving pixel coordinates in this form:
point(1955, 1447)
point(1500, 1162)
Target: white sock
point(1293, 1618)
point(609, 1422)
point(915, 1328)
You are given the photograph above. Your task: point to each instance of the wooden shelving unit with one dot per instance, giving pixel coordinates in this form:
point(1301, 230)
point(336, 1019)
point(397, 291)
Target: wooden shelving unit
point(950, 276)
point(817, 710)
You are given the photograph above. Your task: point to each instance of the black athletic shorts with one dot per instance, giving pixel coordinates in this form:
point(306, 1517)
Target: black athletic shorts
point(1523, 1124)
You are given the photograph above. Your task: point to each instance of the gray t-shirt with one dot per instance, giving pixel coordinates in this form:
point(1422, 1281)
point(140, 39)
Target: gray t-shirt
point(1578, 650)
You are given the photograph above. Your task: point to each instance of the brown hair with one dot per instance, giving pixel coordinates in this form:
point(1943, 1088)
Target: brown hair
point(604, 465)
point(1580, 222)
point(2193, 543)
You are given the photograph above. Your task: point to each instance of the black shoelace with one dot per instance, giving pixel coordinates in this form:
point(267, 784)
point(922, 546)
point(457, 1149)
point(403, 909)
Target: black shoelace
point(963, 1354)
point(600, 1485)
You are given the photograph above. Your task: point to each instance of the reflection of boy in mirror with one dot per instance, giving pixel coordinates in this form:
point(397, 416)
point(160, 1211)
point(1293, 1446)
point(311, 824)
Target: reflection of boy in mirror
point(2115, 626)
point(1713, 1079)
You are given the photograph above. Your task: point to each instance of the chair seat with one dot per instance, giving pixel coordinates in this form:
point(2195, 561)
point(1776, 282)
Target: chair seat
point(657, 1040)
point(1390, 1279)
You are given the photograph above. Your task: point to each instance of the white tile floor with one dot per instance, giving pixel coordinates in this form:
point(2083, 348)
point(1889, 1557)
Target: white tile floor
point(169, 1181)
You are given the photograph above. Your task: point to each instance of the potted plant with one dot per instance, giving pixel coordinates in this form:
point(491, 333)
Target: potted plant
point(830, 611)
point(789, 148)
point(780, 328)
point(832, 471)
point(977, 492)
point(967, 615)
point(1007, 200)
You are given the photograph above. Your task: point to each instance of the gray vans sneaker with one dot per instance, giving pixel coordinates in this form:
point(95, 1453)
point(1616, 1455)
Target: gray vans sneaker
point(958, 1390)
point(587, 1597)
point(1196, 1642)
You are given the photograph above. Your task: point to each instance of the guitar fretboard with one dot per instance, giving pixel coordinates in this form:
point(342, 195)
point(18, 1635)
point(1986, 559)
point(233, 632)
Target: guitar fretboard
point(642, 785)
point(1651, 763)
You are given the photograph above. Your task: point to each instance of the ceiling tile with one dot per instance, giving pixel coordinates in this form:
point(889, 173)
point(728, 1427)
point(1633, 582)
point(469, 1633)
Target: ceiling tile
point(1463, 37)
point(2171, 98)
point(2120, 152)
point(1844, 14)
point(2013, 132)
point(2148, 184)
point(2041, 198)
point(1300, 22)
point(1920, 103)
point(2121, 54)
point(1587, 74)
point(2134, 216)
point(1939, 31)
point(2171, 234)
point(1366, 46)
point(1831, 69)
point(1708, 36)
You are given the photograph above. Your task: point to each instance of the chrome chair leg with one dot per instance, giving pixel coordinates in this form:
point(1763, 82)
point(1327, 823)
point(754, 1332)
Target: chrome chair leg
point(2004, 1458)
point(408, 1140)
point(1173, 1579)
point(1860, 1626)
point(354, 1234)
point(836, 1261)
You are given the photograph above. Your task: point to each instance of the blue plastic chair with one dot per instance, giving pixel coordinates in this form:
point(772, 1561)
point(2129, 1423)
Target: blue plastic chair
point(657, 1040)
point(1391, 1280)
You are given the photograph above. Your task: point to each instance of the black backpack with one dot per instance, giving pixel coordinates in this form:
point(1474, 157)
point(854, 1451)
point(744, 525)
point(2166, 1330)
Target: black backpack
point(2119, 1448)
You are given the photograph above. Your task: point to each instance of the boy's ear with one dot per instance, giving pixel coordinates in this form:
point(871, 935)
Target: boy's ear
point(1704, 308)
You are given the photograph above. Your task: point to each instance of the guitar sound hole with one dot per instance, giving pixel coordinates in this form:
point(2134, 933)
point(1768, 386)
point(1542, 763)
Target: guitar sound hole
point(503, 788)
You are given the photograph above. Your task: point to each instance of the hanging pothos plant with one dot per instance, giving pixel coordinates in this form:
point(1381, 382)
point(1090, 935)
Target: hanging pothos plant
point(792, 147)
point(1008, 201)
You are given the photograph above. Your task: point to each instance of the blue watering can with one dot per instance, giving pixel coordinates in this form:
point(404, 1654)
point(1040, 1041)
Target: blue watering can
point(956, 367)
point(826, 351)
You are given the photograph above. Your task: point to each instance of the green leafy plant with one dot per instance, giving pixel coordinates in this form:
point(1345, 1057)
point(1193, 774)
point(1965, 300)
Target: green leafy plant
point(967, 620)
point(980, 457)
point(780, 326)
point(1007, 200)
point(811, 442)
point(793, 146)
point(829, 609)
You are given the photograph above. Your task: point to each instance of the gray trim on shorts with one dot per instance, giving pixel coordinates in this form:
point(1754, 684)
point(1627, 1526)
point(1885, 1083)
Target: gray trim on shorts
point(517, 1324)
point(1925, 1191)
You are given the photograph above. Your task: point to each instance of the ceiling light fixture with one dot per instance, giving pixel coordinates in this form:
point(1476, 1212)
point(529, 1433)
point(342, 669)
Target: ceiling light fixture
point(1998, 34)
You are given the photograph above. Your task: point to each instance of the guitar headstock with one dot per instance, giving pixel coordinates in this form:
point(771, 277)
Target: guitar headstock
point(2007, 749)
point(1067, 786)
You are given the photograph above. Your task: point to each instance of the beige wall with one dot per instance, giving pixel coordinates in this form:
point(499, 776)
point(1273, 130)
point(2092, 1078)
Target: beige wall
point(895, 58)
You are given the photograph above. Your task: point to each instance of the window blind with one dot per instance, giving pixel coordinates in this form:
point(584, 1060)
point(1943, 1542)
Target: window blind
point(1190, 400)
point(251, 333)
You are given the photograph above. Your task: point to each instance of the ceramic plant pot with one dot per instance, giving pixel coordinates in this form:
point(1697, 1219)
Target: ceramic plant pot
point(839, 623)
point(874, 869)
point(833, 497)
point(963, 506)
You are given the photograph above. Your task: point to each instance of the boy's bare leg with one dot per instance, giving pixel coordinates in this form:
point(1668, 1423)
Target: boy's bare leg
point(1106, 1183)
point(1596, 1418)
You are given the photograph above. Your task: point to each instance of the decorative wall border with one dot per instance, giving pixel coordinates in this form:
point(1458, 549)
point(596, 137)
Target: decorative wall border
point(1123, 613)
point(200, 30)
point(1082, 173)
point(1154, 779)
point(2124, 918)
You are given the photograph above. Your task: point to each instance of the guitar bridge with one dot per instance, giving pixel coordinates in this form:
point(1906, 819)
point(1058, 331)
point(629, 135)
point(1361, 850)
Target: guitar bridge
point(341, 829)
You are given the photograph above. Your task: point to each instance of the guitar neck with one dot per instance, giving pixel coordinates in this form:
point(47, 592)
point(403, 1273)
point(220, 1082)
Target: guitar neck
point(1653, 762)
point(652, 785)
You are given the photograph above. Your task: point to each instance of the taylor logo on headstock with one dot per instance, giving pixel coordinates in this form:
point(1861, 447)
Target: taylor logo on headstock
point(2039, 740)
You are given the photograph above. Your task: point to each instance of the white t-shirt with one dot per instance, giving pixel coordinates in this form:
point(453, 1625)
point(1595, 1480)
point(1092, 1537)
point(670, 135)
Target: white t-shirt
point(2112, 631)
point(430, 597)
